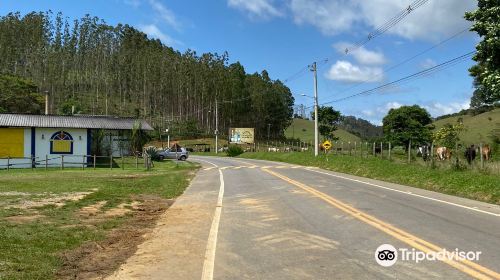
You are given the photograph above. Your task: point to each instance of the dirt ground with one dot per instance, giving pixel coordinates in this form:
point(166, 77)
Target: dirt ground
point(96, 260)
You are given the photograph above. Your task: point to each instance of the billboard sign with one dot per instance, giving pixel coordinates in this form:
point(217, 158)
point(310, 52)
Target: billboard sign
point(241, 135)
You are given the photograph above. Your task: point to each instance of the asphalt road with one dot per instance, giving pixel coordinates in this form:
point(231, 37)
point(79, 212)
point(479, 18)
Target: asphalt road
point(271, 220)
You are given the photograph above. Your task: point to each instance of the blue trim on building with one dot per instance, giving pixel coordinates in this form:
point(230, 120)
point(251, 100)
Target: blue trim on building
point(89, 143)
point(33, 140)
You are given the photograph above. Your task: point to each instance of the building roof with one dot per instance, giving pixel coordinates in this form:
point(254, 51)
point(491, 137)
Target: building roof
point(79, 121)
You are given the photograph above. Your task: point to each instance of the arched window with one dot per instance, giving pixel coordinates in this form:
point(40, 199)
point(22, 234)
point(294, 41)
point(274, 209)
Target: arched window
point(61, 142)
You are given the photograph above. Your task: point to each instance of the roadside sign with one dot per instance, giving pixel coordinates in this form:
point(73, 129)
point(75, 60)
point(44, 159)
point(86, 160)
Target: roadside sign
point(327, 145)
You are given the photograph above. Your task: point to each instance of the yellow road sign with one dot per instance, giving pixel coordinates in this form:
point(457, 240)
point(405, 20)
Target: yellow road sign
point(327, 145)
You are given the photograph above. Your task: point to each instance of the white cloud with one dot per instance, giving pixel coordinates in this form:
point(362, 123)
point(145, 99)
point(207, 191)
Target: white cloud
point(165, 14)
point(361, 54)
point(388, 106)
point(256, 8)
point(154, 32)
point(431, 21)
point(438, 109)
point(344, 71)
point(368, 113)
point(331, 17)
point(427, 63)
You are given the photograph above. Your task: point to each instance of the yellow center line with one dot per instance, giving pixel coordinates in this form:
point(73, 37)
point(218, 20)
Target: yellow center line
point(473, 269)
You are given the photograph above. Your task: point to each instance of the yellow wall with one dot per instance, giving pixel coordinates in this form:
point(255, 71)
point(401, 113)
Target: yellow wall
point(11, 142)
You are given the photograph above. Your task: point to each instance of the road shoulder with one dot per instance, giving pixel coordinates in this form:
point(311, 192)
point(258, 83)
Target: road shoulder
point(175, 249)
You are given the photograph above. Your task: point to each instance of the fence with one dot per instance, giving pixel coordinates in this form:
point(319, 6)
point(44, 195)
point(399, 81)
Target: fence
point(76, 161)
point(387, 151)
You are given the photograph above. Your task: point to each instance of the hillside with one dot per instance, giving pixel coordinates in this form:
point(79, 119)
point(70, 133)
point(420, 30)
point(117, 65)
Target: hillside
point(478, 128)
point(304, 129)
point(101, 69)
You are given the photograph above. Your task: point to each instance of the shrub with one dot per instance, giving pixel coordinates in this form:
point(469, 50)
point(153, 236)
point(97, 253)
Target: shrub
point(234, 150)
point(152, 151)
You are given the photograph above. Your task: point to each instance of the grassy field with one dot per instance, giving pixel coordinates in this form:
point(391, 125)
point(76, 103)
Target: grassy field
point(304, 129)
point(478, 128)
point(48, 216)
point(469, 184)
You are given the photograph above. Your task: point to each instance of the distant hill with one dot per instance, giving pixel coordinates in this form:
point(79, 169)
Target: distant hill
point(361, 128)
point(304, 130)
point(479, 128)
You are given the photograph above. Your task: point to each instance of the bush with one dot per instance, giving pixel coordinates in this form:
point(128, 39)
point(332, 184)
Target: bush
point(234, 151)
point(152, 151)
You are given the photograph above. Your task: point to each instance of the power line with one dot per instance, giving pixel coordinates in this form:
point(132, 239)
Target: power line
point(419, 74)
point(387, 25)
point(406, 60)
point(377, 32)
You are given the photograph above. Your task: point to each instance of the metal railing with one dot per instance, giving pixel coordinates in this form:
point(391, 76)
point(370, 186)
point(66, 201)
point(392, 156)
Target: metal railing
point(76, 161)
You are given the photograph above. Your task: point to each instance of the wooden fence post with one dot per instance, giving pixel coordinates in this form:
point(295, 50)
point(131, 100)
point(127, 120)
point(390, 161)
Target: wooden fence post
point(409, 151)
point(111, 161)
point(83, 163)
point(62, 162)
point(389, 155)
point(432, 153)
point(46, 161)
point(136, 161)
point(481, 154)
point(381, 150)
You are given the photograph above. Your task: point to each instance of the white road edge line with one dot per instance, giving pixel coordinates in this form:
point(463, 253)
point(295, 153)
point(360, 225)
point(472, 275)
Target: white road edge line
point(208, 264)
point(195, 159)
point(408, 193)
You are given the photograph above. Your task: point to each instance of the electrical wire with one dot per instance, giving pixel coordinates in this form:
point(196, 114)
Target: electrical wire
point(404, 61)
point(425, 72)
point(377, 32)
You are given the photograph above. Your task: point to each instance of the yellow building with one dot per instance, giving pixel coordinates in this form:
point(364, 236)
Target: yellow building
point(30, 140)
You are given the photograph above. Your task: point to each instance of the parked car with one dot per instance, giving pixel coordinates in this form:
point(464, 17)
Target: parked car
point(179, 154)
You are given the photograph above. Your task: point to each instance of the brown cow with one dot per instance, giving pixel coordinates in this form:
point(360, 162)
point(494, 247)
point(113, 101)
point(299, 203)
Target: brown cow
point(486, 152)
point(443, 153)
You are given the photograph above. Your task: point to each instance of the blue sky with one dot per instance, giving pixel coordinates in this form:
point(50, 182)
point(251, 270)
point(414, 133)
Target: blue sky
point(284, 36)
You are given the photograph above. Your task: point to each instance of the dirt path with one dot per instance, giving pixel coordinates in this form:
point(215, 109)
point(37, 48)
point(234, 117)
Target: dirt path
point(94, 260)
point(175, 248)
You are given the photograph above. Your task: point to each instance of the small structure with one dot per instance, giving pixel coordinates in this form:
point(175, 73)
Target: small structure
point(26, 139)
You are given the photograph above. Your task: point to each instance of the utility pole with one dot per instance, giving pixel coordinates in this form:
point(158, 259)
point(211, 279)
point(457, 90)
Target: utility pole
point(216, 127)
point(316, 143)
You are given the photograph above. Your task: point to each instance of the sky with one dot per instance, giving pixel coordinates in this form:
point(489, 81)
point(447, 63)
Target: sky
point(285, 36)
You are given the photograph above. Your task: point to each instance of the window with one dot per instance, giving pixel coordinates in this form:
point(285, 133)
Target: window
point(61, 142)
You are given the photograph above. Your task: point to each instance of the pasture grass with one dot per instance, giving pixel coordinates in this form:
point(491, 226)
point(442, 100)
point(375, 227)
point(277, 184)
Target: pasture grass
point(304, 130)
point(31, 249)
point(477, 128)
point(464, 183)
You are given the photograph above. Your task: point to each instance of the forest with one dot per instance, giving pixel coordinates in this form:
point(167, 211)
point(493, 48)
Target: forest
point(98, 69)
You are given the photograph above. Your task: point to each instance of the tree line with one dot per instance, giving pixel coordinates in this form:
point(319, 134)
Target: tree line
point(90, 67)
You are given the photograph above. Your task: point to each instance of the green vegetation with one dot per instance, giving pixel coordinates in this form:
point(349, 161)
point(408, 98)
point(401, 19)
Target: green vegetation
point(478, 128)
point(234, 150)
point(361, 128)
point(469, 184)
point(486, 73)
point(33, 239)
point(118, 70)
point(304, 130)
point(328, 121)
point(18, 95)
point(407, 124)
